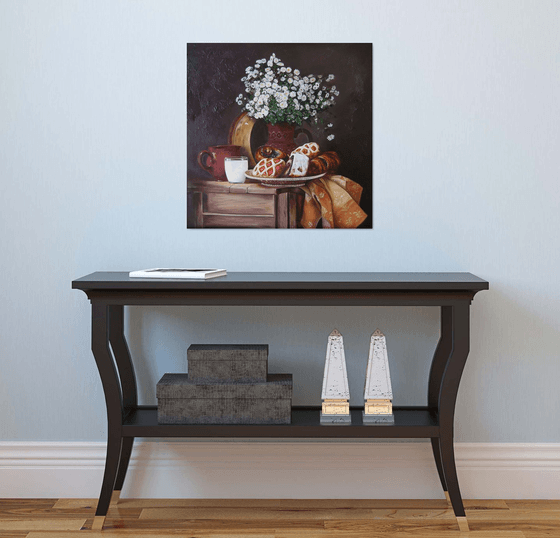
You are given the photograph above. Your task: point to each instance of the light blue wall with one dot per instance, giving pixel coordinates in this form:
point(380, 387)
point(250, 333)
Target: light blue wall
point(466, 178)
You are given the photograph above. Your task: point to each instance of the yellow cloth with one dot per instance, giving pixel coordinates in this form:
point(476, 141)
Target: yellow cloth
point(335, 199)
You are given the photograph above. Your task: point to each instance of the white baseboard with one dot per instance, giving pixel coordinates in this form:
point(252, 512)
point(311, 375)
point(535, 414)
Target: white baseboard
point(280, 469)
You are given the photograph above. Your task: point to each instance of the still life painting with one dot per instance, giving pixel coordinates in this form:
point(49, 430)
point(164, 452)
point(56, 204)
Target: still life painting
point(279, 135)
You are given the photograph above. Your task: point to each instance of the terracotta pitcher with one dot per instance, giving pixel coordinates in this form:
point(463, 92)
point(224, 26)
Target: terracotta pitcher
point(282, 136)
point(212, 159)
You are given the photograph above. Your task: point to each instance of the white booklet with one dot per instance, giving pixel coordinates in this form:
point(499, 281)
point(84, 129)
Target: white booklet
point(177, 273)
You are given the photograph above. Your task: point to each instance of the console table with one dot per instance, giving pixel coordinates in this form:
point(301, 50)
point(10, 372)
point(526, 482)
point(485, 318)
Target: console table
point(452, 293)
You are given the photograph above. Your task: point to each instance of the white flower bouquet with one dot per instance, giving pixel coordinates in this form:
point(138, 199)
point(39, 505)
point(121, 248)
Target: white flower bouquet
point(280, 94)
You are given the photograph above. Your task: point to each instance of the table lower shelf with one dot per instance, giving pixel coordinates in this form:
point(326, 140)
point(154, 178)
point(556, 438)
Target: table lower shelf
point(410, 422)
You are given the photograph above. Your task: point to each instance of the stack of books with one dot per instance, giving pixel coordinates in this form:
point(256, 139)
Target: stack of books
point(173, 274)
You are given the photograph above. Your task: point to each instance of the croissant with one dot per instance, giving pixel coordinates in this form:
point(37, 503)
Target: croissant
point(269, 152)
point(326, 162)
point(317, 166)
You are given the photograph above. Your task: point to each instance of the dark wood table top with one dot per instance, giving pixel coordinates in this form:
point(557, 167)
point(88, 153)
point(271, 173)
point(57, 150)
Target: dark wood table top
point(291, 281)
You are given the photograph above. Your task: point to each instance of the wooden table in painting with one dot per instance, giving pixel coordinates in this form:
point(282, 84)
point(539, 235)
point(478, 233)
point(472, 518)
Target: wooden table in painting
point(219, 204)
point(452, 293)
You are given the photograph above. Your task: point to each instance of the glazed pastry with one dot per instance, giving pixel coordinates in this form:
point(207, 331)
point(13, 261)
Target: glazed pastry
point(311, 150)
point(317, 166)
point(298, 164)
point(269, 152)
point(269, 168)
point(326, 162)
point(332, 159)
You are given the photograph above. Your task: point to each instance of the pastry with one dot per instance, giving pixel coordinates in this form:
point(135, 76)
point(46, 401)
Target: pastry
point(269, 152)
point(333, 160)
point(298, 164)
point(317, 166)
point(311, 150)
point(269, 168)
point(326, 162)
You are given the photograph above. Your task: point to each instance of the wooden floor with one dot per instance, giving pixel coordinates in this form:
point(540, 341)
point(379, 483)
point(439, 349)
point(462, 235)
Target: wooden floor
point(154, 518)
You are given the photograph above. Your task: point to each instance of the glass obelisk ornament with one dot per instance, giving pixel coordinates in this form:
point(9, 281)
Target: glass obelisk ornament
point(378, 394)
point(335, 395)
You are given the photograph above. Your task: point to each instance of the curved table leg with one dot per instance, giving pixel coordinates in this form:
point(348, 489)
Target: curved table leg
point(457, 323)
point(439, 362)
point(113, 400)
point(114, 443)
point(128, 386)
point(436, 449)
point(126, 451)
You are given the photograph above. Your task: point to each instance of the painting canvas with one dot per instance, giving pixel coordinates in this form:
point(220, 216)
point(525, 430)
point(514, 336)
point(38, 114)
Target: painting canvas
point(279, 135)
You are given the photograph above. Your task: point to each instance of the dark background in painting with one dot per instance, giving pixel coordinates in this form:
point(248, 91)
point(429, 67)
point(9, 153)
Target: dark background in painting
point(214, 72)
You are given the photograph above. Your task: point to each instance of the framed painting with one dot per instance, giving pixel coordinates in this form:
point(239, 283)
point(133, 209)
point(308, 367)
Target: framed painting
point(279, 135)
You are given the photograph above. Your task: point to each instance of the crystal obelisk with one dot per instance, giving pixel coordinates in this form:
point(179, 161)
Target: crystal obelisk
point(335, 395)
point(378, 394)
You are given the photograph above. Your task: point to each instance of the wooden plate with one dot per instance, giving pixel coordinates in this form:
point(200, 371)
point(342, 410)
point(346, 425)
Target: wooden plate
point(282, 181)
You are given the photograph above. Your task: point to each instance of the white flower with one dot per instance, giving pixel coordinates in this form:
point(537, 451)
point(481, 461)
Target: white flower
point(330, 77)
point(330, 137)
point(288, 87)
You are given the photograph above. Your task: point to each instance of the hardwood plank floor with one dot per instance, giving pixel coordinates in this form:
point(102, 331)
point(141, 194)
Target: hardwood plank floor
point(271, 518)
